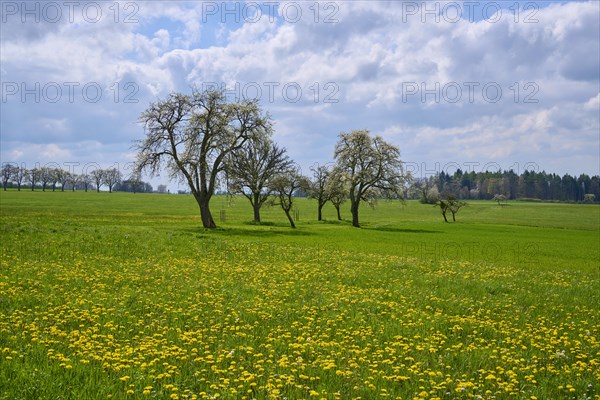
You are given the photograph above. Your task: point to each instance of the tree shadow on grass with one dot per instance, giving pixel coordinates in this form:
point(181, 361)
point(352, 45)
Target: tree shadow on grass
point(257, 232)
point(399, 230)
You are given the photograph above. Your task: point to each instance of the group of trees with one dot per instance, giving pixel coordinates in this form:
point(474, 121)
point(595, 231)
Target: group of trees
point(57, 178)
point(528, 185)
point(203, 140)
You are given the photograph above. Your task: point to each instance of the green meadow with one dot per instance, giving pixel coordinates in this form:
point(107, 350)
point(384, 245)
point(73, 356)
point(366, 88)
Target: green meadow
point(126, 296)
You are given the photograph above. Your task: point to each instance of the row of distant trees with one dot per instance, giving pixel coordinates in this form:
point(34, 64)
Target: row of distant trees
point(508, 184)
point(48, 178)
point(204, 141)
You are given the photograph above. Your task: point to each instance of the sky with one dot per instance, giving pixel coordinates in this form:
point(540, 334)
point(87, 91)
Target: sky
point(476, 85)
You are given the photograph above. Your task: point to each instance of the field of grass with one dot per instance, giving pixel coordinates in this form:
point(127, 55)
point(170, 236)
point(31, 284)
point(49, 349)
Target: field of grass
point(125, 296)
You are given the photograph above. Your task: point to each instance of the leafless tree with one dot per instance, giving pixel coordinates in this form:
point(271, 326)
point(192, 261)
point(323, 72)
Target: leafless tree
point(111, 177)
point(33, 177)
point(86, 180)
point(73, 179)
point(61, 177)
point(251, 167)
point(8, 171)
point(336, 189)
point(97, 176)
point(284, 185)
point(318, 187)
point(46, 176)
point(19, 175)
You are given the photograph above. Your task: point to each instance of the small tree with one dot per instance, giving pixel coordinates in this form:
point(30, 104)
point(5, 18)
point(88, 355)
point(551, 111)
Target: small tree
point(19, 175)
point(318, 187)
point(111, 178)
point(33, 177)
point(336, 189)
point(443, 205)
point(73, 179)
point(61, 177)
point(97, 176)
point(46, 176)
point(589, 198)
point(500, 199)
point(284, 185)
point(251, 167)
point(135, 182)
point(450, 204)
point(86, 181)
point(424, 189)
point(8, 171)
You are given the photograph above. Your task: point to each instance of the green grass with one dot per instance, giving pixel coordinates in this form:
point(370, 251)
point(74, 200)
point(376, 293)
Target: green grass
point(126, 296)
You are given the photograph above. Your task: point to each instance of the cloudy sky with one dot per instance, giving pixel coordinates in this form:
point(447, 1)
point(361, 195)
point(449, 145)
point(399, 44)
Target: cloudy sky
point(476, 84)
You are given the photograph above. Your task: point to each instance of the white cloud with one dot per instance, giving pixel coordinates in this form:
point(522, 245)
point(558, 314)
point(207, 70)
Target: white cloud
point(367, 58)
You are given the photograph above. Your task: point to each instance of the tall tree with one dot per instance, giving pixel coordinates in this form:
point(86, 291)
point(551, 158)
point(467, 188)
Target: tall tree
point(251, 167)
point(372, 167)
point(193, 135)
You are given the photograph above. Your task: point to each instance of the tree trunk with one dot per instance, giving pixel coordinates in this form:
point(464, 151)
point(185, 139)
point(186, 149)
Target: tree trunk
point(354, 210)
point(453, 217)
point(444, 214)
point(205, 214)
point(256, 207)
point(320, 212)
point(287, 212)
point(337, 207)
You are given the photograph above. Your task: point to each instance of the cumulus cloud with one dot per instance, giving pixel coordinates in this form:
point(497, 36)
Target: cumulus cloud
point(484, 89)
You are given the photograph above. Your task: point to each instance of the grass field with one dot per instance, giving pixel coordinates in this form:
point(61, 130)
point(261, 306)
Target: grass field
point(125, 296)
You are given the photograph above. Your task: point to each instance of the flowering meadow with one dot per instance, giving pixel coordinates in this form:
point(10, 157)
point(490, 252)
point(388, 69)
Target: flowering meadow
point(136, 302)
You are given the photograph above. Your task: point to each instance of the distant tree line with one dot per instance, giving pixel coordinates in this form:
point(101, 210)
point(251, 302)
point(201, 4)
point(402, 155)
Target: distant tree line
point(530, 185)
point(52, 178)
